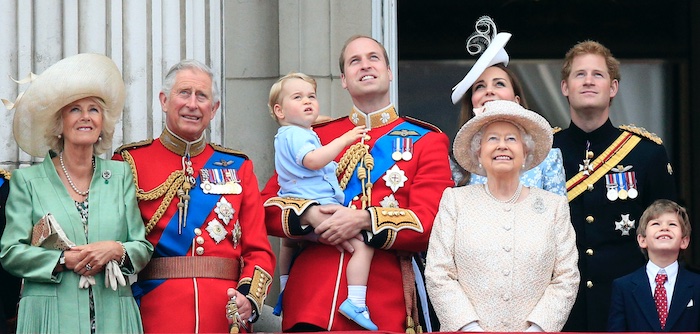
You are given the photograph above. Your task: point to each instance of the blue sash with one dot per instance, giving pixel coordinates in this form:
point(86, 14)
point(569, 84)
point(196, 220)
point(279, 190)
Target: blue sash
point(201, 205)
point(2, 181)
point(171, 243)
point(381, 152)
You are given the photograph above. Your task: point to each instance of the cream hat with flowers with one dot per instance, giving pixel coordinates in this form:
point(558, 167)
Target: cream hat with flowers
point(70, 79)
point(503, 111)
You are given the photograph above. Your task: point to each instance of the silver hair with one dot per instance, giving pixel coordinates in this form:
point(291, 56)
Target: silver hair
point(185, 64)
point(475, 146)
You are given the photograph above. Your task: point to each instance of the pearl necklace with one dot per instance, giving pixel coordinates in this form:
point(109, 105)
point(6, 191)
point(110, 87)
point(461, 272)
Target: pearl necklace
point(511, 200)
point(70, 181)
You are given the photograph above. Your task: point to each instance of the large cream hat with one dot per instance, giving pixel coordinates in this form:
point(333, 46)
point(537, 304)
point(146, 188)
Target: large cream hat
point(484, 37)
point(505, 111)
point(70, 79)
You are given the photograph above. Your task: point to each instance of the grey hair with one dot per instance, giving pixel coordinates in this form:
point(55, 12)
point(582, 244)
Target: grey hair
point(190, 64)
point(528, 142)
point(109, 122)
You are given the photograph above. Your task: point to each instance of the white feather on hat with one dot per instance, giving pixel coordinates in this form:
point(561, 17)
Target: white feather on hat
point(70, 79)
point(494, 54)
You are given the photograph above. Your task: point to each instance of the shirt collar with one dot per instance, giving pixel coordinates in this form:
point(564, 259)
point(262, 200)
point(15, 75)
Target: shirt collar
point(671, 271)
point(181, 147)
point(374, 119)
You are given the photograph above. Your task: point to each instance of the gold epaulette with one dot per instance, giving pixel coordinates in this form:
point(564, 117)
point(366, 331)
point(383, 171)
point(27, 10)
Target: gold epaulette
point(556, 129)
point(220, 148)
point(422, 123)
point(5, 174)
point(642, 132)
point(133, 145)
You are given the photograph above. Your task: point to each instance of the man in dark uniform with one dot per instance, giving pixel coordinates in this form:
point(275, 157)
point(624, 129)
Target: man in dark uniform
point(10, 284)
point(613, 175)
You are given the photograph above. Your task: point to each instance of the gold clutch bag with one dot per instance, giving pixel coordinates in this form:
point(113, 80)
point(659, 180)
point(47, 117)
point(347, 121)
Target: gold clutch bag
point(48, 233)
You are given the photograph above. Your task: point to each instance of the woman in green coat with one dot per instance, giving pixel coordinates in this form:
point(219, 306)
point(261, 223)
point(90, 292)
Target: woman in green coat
point(68, 115)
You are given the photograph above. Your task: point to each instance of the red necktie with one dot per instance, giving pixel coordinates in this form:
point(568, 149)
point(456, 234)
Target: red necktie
point(660, 298)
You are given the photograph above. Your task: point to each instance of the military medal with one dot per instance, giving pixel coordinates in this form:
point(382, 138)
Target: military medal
point(611, 185)
point(396, 154)
point(624, 225)
point(220, 181)
point(389, 202)
point(632, 185)
point(224, 210)
point(395, 178)
point(184, 192)
point(407, 149)
point(236, 234)
point(216, 230)
point(586, 167)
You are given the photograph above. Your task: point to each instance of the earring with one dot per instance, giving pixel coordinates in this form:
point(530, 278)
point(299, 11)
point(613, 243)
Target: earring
point(480, 167)
point(59, 136)
point(100, 139)
point(523, 166)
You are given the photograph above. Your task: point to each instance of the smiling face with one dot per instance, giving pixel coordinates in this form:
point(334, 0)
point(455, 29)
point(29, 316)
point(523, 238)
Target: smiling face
point(189, 106)
point(82, 122)
point(589, 86)
point(298, 104)
point(664, 235)
point(493, 84)
point(366, 74)
point(502, 149)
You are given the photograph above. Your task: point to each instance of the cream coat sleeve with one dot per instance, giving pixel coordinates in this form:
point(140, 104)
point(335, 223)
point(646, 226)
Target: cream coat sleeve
point(451, 304)
point(552, 310)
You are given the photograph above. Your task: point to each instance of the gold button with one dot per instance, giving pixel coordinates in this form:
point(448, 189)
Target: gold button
point(590, 187)
point(589, 154)
point(384, 212)
point(197, 231)
point(200, 240)
point(590, 219)
point(589, 252)
point(199, 250)
point(589, 284)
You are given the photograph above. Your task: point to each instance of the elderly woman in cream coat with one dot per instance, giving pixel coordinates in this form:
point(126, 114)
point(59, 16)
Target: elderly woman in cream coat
point(502, 257)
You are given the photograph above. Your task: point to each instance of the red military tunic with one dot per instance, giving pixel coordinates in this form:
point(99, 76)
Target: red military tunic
point(213, 229)
point(402, 218)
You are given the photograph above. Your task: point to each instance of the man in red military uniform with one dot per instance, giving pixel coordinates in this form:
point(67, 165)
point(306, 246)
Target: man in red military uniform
point(202, 210)
point(392, 181)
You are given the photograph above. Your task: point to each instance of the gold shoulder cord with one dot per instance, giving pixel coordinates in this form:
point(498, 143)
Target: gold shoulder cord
point(168, 188)
point(6, 174)
point(346, 166)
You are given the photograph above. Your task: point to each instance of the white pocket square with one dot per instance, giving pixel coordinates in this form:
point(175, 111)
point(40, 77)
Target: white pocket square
point(690, 303)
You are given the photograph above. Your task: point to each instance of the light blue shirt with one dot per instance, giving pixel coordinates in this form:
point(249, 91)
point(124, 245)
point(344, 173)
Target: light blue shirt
point(548, 175)
point(292, 143)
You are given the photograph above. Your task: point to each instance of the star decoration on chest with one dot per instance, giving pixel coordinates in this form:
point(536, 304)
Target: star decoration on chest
point(624, 225)
point(395, 178)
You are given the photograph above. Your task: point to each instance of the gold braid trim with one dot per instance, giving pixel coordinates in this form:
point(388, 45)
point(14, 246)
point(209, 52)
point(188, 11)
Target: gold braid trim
point(259, 285)
point(5, 174)
point(347, 163)
point(642, 132)
point(168, 188)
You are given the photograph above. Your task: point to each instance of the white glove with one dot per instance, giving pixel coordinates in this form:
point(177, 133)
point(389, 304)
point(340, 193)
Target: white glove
point(534, 328)
point(86, 281)
point(472, 327)
point(113, 275)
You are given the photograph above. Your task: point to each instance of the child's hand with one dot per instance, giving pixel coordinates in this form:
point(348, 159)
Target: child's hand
point(353, 135)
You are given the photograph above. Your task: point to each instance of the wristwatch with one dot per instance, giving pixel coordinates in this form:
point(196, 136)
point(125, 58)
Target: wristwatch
point(62, 261)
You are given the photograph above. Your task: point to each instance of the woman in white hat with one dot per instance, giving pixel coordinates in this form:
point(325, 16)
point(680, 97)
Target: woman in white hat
point(488, 80)
point(68, 115)
point(502, 256)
